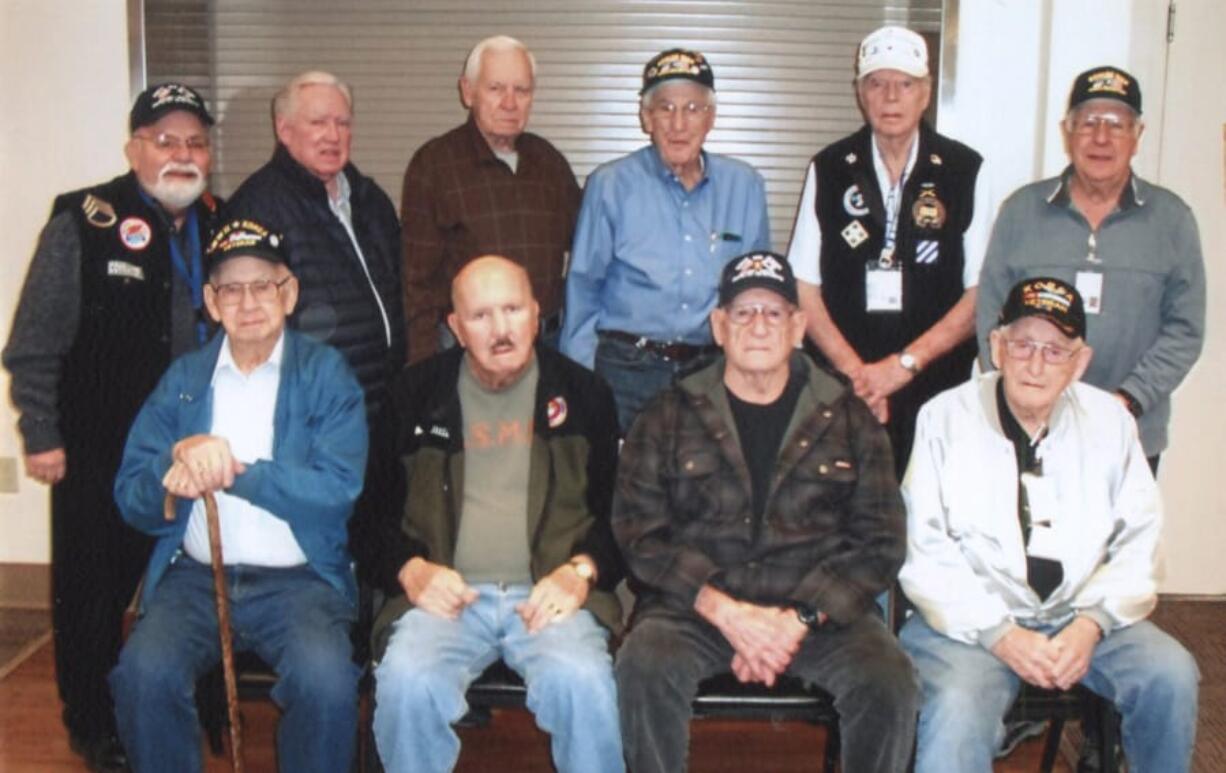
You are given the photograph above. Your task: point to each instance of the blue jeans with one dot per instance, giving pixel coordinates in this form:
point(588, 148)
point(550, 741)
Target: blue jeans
point(636, 375)
point(292, 618)
point(430, 662)
point(1150, 677)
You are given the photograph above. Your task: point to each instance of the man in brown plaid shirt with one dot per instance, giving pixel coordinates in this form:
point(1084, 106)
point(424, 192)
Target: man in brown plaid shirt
point(758, 513)
point(486, 187)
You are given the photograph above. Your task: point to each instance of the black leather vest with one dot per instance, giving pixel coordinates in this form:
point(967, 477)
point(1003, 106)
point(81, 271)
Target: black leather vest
point(936, 209)
point(122, 345)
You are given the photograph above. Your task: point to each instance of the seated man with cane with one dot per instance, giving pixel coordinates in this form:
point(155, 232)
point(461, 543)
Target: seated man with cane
point(273, 424)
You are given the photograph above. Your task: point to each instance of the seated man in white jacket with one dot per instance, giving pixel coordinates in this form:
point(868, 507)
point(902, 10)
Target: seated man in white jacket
point(1033, 524)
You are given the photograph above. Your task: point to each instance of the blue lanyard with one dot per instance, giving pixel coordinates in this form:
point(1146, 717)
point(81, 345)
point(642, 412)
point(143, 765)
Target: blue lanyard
point(192, 269)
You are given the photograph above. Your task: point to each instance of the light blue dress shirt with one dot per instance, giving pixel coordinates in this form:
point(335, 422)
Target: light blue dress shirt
point(648, 253)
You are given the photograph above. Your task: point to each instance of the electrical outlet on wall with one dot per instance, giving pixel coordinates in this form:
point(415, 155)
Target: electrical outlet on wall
point(8, 475)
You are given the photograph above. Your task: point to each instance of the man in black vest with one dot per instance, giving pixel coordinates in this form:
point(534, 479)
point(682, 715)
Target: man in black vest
point(889, 237)
point(114, 292)
point(341, 233)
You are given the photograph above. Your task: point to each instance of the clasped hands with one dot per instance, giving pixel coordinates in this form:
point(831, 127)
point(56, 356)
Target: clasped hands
point(874, 382)
point(442, 591)
point(763, 638)
point(201, 464)
point(1058, 662)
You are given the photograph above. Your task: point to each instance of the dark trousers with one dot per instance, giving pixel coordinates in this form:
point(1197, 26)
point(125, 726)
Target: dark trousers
point(96, 563)
point(668, 652)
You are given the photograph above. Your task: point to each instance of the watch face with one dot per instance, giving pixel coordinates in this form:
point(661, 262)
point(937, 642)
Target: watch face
point(907, 360)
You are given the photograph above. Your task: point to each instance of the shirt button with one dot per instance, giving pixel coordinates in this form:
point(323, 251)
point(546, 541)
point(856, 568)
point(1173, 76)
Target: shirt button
point(689, 238)
point(748, 520)
point(689, 465)
point(826, 414)
point(689, 272)
point(685, 305)
point(823, 469)
point(804, 443)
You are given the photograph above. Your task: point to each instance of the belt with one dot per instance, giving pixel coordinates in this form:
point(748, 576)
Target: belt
point(672, 352)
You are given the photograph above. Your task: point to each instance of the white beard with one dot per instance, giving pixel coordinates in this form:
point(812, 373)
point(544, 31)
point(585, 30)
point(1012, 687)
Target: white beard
point(178, 195)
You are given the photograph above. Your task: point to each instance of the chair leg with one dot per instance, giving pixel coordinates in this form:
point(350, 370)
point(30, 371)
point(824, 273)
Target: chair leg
point(834, 743)
point(1108, 737)
point(1051, 746)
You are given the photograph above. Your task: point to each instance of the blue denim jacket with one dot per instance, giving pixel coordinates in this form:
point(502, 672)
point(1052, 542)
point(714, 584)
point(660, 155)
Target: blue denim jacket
point(312, 481)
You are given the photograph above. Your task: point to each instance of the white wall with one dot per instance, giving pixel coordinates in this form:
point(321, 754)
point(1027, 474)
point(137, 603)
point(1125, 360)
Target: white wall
point(64, 87)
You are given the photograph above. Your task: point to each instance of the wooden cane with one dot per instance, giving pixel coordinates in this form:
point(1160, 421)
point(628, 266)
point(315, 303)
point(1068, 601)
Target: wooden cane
point(224, 630)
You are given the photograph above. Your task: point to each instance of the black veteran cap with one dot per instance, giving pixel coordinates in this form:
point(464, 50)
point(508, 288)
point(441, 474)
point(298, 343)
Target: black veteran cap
point(244, 238)
point(1054, 300)
point(1106, 83)
point(768, 270)
point(156, 101)
point(677, 64)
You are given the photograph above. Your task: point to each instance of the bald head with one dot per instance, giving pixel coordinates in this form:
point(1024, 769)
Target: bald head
point(495, 319)
point(480, 273)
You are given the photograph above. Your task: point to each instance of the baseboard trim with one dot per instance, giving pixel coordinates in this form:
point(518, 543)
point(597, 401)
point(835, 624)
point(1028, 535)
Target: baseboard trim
point(25, 586)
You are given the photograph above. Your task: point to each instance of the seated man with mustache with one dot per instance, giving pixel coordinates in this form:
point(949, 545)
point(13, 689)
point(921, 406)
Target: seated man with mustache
point(496, 543)
point(114, 292)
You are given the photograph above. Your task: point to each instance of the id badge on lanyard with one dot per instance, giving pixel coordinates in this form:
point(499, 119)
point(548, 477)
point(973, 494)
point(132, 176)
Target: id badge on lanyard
point(883, 276)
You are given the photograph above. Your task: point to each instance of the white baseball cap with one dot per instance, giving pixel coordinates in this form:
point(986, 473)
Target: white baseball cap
point(893, 48)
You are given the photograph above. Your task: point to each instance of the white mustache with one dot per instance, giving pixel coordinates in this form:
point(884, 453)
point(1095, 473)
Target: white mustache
point(179, 168)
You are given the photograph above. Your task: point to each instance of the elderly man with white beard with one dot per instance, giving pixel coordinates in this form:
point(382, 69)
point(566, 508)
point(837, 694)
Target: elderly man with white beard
point(114, 292)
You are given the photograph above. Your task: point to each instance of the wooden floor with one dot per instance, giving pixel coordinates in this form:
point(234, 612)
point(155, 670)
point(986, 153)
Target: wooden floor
point(32, 740)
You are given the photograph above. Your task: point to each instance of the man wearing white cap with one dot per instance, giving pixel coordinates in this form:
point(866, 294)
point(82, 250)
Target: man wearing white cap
point(888, 241)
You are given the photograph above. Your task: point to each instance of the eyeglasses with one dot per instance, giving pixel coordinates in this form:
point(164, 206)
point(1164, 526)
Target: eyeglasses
point(1117, 125)
point(1024, 349)
point(688, 112)
point(744, 313)
point(262, 290)
point(170, 143)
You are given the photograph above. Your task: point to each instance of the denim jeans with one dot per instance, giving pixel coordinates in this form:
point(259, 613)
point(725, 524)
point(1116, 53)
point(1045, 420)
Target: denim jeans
point(668, 652)
point(1150, 677)
point(430, 662)
point(293, 619)
point(636, 375)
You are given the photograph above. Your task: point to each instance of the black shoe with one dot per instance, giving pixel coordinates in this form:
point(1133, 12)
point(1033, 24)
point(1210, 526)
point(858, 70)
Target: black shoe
point(102, 753)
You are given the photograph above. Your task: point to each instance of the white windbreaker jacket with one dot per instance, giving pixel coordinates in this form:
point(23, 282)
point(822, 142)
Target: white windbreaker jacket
point(966, 564)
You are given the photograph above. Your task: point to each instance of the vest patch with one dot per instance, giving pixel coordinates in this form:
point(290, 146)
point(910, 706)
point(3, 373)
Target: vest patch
point(928, 211)
point(98, 213)
point(853, 202)
point(854, 234)
point(125, 269)
point(135, 234)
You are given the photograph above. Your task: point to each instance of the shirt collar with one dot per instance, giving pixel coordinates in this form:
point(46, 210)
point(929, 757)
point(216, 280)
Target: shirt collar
point(225, 359)
point(343, 190)
point(883, 174)
point(1131, 196)
point(663, 170)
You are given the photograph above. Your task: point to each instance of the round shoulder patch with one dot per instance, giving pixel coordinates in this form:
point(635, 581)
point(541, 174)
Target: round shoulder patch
point(135, 233)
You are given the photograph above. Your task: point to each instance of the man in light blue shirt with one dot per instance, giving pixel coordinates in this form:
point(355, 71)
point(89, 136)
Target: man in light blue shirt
point(655, 229)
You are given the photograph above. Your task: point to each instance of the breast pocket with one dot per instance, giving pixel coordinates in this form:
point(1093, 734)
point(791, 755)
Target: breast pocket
point(696, 486)
point(816, 491)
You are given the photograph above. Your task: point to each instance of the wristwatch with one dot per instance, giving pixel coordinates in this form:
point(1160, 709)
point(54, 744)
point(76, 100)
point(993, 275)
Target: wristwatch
point(807, 615)
point(908, 361)
point(584, 569)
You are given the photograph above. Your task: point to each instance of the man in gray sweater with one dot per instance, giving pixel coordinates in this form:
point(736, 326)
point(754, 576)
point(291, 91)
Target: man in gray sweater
point(1130, 248)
